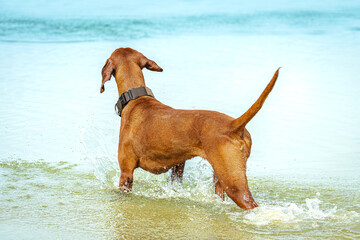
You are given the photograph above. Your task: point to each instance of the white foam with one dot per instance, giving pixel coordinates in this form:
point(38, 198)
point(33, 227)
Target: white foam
point(267, 214)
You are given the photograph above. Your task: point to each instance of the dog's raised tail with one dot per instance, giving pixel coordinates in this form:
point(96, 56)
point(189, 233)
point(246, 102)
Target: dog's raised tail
point(240, 123)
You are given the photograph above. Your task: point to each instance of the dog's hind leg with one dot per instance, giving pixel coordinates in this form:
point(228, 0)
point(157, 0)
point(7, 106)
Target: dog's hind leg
point(234, 183)
point(177, 172)
point(229, 163)
point(219, 190)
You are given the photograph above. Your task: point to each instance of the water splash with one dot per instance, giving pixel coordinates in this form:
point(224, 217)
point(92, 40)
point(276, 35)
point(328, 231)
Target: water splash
point(100, 151)
point(197, 184)
point(310, 209)
point(282, 206)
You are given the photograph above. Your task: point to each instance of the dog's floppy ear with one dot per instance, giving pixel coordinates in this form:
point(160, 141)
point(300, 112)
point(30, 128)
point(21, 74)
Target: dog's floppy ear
point(151, 65)
point(106, 72)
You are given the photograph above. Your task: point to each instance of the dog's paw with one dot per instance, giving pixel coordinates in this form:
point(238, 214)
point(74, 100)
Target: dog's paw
point(124, 189)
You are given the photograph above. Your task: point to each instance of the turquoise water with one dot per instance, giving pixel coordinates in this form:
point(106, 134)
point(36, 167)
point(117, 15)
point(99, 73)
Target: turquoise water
point(58, 135)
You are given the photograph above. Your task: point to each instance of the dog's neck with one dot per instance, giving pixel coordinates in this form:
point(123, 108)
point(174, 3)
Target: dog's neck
point(129, 76)
point(125, 84)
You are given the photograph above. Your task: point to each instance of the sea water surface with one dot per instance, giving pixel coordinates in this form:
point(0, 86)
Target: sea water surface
point(59, 136)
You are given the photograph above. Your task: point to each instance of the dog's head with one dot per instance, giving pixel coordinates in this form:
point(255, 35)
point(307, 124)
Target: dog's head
point(122, 56)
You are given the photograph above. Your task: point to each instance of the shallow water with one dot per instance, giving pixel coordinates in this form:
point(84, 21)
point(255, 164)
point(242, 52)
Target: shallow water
point(58, 168)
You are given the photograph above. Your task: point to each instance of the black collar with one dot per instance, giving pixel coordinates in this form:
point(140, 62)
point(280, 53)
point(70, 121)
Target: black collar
point(132, 94)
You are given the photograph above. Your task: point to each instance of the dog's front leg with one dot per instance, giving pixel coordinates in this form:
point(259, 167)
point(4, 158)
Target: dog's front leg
point(126, 180)
point(177, 172)
point(127, 163)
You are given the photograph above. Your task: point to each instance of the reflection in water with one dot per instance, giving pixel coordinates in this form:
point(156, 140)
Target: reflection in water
point(36, 196)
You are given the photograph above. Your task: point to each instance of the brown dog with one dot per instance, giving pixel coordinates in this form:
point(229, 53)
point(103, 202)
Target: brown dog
point(156, 137)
